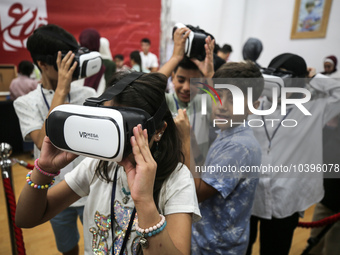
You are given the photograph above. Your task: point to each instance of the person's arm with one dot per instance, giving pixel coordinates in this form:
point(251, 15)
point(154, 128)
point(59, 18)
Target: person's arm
point(180, 36)
point(65, 71)
point(175, 238)
point(36, 206)
point(330, 87)
point(153, 69)
point(203, 190)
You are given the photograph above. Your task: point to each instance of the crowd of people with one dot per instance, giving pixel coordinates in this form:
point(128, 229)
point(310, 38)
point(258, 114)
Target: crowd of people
point(149, 202)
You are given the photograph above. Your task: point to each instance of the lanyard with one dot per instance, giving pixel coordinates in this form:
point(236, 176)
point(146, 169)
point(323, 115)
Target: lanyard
point(46, 103)
point(276, 129)
point(177, 106)
point(127, 233)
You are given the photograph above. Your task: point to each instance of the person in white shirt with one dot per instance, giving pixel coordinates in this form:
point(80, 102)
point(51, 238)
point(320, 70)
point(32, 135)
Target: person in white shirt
point(149, 60)
point(282, 197)
point(32, 109)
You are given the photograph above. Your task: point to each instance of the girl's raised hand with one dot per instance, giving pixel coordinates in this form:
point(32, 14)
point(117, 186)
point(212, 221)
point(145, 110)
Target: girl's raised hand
point(141, 175)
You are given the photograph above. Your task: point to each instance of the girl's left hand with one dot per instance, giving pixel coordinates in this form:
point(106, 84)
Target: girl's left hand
point(141, 175)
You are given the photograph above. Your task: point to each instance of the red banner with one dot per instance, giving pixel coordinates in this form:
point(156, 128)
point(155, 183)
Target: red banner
point(123, 23)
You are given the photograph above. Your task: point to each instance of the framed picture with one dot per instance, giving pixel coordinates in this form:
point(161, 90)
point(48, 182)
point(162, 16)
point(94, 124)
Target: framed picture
point(310, 18)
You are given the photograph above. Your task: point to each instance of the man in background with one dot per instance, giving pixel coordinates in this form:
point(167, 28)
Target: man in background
point(23, 83)
point(149, 60)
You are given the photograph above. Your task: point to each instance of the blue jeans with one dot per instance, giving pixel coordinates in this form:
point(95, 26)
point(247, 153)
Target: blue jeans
point(65, 228)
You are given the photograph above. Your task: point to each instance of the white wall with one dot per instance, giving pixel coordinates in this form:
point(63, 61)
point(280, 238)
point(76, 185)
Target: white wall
point(234, 21)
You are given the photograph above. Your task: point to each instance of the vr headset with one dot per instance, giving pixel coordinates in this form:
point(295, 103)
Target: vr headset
point(89, 62)
point(274, 76)
point(97, 131)
point(194, 45)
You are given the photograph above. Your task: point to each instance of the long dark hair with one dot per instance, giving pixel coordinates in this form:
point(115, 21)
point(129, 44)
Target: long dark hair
point(135, 56)
point(147, 93)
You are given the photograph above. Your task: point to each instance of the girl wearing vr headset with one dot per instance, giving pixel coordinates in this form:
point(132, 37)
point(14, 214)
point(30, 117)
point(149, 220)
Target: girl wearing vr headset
point(126, 200)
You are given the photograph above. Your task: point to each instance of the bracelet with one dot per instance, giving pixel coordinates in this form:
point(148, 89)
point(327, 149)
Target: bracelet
point(148, 232)
point(37, 186)
point(42, 171)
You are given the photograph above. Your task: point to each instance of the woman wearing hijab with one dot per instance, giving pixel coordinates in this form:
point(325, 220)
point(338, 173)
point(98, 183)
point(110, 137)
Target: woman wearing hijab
point(252, 50)
point(329, 64)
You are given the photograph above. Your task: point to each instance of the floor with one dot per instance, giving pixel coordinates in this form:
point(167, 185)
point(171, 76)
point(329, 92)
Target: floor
point(40, 240)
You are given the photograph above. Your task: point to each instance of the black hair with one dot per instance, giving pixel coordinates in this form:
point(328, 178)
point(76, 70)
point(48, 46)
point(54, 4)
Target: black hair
point(145, 40)
point(186, 64)
point(216, 48)
point(218, 62)
point(119, 56)
point(148, 93)
point(135, 56)
point(42, 45)
point(25, 68)
point(238, 70)
point(226, 48)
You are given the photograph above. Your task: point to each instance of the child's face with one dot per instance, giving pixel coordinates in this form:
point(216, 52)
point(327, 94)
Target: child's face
point(145, 47)
point(225, 111)
point(119, 62)
point(181, 80)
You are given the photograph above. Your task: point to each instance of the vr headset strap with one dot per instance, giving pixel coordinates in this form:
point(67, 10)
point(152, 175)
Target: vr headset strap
point(117, 89)
point(153, 122)
point(113, 90)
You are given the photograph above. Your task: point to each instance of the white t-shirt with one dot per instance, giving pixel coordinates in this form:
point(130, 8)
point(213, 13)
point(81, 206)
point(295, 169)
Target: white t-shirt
point(149, 61)
point(280, 194)
point(177, 195)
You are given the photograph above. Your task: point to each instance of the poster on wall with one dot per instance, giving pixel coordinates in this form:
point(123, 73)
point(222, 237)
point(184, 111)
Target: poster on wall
point(310, 18)
point(123, 23)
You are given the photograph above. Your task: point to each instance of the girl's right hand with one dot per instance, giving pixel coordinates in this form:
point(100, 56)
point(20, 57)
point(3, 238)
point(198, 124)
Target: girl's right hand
point(52, 159)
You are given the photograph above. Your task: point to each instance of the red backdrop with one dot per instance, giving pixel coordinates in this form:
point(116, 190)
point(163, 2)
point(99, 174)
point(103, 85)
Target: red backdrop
point(123, 23)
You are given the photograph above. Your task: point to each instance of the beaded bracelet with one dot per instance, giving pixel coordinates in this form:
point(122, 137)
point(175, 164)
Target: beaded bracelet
point(37, 186)
point(148, 232)
point(43, 172)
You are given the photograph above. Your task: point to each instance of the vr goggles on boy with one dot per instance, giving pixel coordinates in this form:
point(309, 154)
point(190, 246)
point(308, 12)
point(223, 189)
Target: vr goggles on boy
point(89, 62)
point(97, 131)
point(194, 45)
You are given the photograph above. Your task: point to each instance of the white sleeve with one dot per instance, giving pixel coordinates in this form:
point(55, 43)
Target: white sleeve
point(331, 87)
point(154, 61)
point(80, 177)
point(178, 194)
point(29, 116)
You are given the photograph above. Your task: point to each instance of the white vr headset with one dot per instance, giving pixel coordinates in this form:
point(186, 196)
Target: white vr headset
point(89, 62)
point(97, 131)
point(194, 45)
